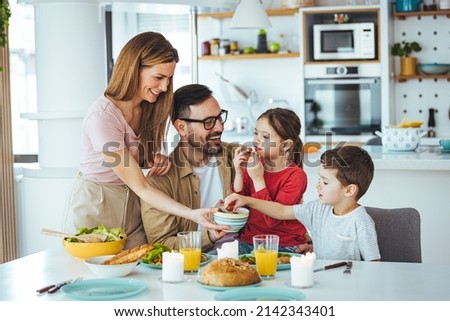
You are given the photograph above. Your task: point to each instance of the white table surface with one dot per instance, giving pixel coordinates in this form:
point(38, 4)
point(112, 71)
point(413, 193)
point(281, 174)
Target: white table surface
point(369, 281)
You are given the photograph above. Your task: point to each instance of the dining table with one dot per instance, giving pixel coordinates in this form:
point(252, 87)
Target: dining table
point(368, 281)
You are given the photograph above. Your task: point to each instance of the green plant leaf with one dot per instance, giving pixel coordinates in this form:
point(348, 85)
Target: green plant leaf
point(405, 49)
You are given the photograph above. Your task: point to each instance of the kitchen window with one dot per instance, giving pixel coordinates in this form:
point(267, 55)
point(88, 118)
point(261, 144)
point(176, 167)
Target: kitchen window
point(125, 20)
point(23, 82)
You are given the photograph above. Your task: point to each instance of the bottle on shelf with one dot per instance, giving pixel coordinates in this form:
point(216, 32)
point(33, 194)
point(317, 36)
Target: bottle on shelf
point(262, 42)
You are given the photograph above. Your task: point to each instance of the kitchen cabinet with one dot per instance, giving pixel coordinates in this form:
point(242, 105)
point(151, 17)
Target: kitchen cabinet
point(313, 16)
point(418, 15)
point(342, 82)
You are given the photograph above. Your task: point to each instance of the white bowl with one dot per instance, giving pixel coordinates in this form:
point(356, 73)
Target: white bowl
point(401, 139)
point(221, 221)
point(434, 69)
point(235, 221)
point(241, 213)
point(110, 270)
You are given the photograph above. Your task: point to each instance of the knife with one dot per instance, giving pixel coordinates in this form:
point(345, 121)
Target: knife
point(52, 288)
point(332, 266)
point(48, 287)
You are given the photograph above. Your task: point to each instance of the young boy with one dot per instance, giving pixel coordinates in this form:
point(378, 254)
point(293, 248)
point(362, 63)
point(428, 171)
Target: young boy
point(340, 228)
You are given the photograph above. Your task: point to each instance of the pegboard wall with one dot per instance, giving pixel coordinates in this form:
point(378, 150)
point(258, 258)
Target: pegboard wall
point(415, 97)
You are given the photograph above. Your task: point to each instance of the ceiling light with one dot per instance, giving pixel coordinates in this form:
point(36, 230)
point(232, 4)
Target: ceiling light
point(250, 14)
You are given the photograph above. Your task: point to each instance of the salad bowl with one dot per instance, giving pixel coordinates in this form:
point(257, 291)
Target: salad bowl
point(85, 251)
point(113, 244)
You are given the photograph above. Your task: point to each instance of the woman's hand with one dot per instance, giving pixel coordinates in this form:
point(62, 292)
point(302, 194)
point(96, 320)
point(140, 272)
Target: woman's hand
point(215, 235)
point(160, 165)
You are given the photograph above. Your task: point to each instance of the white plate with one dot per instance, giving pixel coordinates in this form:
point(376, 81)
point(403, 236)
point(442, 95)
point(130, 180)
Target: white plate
point(104, 289)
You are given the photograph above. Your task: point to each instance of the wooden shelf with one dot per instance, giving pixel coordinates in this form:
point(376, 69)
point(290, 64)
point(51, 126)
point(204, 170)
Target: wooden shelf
point(400, 78)
point(404, 15)
point(252, 56)
point(229, 14)
point(342, 62)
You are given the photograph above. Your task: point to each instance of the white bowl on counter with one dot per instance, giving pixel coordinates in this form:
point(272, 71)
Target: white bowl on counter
point(401, 139)
point(111, 270)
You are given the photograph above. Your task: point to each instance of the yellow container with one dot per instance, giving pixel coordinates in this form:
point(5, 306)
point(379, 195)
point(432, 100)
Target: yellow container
point(84, 251)
point(408, 66)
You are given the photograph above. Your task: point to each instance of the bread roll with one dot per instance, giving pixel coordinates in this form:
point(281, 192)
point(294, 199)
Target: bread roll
point(228, 272)
point(130, 255)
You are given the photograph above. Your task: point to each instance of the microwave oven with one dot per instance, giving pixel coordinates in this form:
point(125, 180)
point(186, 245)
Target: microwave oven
point(346, 41)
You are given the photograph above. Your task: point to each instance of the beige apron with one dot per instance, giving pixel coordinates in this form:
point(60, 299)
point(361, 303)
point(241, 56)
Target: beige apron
point(92, 203)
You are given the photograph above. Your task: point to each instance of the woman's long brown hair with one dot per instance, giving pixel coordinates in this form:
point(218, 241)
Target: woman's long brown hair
point(144, 50)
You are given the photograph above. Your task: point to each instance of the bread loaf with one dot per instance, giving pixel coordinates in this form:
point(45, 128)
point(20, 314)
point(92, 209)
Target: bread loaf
point(130, 255)
point(228, 272)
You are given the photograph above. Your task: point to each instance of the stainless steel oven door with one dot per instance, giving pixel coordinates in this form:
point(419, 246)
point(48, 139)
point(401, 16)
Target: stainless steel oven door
point(344, 106)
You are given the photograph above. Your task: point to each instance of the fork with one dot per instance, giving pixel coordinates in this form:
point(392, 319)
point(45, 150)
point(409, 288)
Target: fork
point(348, 267)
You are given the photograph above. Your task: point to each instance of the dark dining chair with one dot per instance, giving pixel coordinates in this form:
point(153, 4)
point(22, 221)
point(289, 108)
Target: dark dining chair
point(398, 233)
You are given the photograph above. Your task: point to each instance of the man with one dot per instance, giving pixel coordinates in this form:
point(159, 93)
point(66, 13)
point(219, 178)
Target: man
point(202, 170)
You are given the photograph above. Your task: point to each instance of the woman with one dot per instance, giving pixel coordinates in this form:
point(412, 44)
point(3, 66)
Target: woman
point(122, 132)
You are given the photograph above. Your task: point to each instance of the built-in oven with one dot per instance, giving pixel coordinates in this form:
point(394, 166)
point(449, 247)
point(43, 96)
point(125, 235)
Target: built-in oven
point(344, 100)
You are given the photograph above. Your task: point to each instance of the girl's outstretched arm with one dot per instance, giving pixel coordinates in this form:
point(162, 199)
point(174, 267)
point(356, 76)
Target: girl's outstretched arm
point(272, 209)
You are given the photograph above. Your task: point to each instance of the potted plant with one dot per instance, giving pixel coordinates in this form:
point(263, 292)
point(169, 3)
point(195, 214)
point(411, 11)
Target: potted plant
point(404, 49)
point(5, 13)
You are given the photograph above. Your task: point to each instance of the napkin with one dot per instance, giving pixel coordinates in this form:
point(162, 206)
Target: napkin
point(229, 249)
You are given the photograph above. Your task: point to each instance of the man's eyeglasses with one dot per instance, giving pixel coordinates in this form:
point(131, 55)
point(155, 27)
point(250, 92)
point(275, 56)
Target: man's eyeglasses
point(209, 122)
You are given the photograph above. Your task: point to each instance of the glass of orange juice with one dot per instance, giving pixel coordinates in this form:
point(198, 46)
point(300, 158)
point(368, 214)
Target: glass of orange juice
point(190, 244)
point(266, 254)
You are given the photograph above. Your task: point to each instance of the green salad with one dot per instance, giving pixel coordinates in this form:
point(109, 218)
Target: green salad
point(113, 234)
point(155, 256)
point(283, 258)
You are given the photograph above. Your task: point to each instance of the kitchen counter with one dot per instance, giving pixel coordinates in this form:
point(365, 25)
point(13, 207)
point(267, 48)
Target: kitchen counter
point(428, 156)
point(423, 158)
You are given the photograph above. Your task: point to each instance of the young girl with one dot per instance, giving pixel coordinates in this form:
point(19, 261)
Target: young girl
point(273, 171)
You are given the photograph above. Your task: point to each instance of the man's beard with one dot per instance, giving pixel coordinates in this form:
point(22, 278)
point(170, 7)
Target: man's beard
point(207, 147)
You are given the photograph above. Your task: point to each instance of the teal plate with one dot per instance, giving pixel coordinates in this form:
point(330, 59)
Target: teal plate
point(260, 294)
point(104, 289)
point(224, 288)
point(159, 266)
point(280, 267)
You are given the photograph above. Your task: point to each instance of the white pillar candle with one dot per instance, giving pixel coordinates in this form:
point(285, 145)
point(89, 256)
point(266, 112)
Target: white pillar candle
point(229, 249)
point(172, 267)
point(302, 270)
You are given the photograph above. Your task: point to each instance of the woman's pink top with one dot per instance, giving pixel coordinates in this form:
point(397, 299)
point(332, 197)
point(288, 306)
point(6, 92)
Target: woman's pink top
point(105, 130)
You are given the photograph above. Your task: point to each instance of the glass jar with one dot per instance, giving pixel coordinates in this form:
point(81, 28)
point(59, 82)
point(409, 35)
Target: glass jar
point(214, 45)
point(234, 47)
point(225, 45)
point(206, 48)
